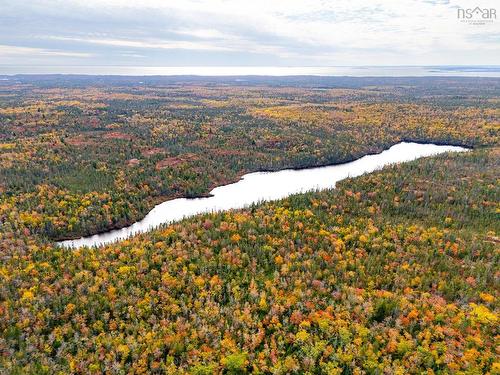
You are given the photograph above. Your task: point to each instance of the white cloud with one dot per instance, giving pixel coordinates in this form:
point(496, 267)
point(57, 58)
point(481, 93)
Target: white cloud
point(145, 43)
point(202, 33)
point(320, 32)
point(9, 51)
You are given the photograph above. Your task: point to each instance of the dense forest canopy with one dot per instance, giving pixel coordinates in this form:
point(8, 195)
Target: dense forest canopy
point(83, 154)
point(392, 272)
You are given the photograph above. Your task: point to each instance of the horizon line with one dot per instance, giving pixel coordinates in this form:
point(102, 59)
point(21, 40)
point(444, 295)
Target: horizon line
point(254, 71)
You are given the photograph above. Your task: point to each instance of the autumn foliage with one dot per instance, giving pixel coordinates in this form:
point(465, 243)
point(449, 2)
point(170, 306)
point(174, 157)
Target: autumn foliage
point(394, 272)
point(77, 158)
point(382, 274)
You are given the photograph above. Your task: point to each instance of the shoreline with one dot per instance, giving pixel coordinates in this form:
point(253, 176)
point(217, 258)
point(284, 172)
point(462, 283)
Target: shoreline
point(163, 199)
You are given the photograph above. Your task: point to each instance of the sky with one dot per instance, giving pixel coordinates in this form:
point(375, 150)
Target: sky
point(180, 33)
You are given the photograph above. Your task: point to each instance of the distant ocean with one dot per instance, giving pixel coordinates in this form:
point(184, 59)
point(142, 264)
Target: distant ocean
point(354, 71)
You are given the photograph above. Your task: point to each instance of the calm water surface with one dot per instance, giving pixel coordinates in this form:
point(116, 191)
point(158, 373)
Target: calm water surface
point(260, 186)
point(351, 71)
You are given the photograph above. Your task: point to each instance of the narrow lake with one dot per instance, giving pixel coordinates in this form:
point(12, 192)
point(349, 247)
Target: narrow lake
point(260, 186)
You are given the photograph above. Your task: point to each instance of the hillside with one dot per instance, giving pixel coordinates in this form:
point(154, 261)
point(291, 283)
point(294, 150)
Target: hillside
point(82, 155)
point(393, 272)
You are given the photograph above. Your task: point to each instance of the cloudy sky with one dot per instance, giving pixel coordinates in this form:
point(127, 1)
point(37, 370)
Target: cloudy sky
point(244, 33)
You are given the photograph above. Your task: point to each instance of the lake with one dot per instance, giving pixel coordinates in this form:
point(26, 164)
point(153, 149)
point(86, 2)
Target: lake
point(264, 186)
point(327, 71)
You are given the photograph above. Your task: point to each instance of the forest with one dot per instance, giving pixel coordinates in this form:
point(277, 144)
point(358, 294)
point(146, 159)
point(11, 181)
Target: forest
point(83, 155)
point(393, 272)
